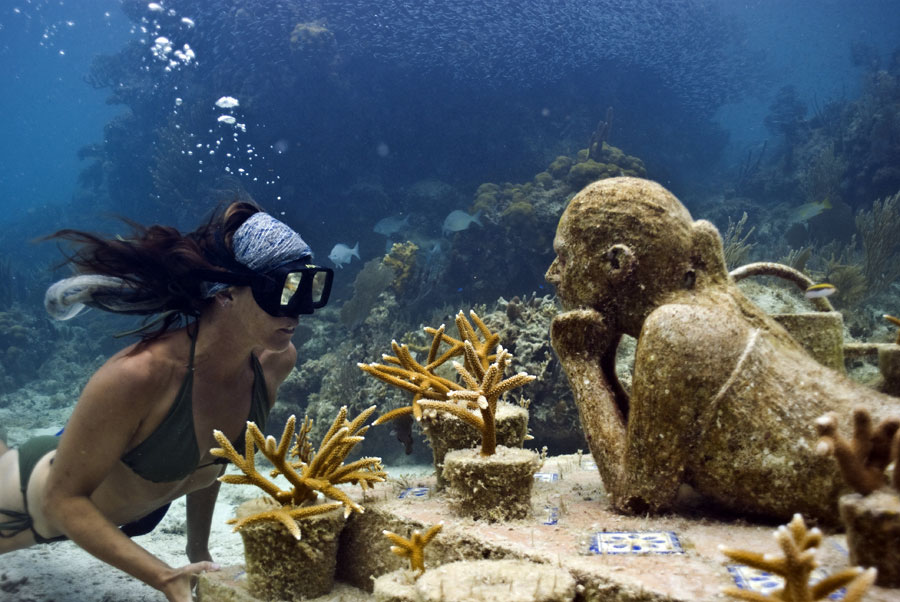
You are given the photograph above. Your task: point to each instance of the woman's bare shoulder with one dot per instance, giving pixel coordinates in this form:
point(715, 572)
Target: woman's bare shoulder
point(141, 371)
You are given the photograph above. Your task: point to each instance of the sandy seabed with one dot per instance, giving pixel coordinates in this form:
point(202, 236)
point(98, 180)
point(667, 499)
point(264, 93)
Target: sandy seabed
point(63, 572)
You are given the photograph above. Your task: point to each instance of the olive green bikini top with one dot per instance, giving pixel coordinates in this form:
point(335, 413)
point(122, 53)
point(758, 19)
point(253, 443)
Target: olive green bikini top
point(171, 452)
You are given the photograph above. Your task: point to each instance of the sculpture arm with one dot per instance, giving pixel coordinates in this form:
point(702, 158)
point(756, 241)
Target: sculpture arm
point(683, 357)
point(586, 348)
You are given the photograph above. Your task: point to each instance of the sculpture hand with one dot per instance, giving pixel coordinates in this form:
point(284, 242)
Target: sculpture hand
point(580, 331)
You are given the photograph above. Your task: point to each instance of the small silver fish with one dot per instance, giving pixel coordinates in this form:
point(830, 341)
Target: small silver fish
point(342, 254)
point(391, 224)
point(459, 220)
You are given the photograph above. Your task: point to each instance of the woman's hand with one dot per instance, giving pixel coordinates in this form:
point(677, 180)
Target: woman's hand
point(178, 586)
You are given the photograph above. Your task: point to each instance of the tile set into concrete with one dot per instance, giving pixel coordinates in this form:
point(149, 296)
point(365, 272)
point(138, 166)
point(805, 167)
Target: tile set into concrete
point(611, 556)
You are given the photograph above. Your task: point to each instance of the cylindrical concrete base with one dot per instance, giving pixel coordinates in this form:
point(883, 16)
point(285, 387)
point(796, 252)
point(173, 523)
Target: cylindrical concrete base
point(873, 533)
point(280, 567)
point(446, 433)
point(493, 488)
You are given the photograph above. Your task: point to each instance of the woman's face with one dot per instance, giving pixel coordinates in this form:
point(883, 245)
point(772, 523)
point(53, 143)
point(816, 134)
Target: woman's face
point(272, 333)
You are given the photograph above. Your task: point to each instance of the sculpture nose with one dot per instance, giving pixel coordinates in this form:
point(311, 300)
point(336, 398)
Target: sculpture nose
point(552, 275)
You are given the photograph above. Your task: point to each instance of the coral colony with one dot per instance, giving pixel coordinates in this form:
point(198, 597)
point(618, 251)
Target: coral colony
point(310, 473)
point(414, 547)
point(481, 372)
point(798, 545)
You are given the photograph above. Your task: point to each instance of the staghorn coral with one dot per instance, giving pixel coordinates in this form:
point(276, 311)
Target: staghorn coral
point(485, 387)
point(312, 471)
point(864, 459)
point(796, 565)
point(484, 383)
point(423, 381)
point(872, 515)
point(414, 547)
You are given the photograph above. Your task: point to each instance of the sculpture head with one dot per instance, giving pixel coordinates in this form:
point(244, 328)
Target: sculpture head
point(624, 246)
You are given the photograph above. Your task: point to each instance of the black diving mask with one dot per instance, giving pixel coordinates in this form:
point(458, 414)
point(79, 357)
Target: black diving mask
point(295, 288)
point(292, 289)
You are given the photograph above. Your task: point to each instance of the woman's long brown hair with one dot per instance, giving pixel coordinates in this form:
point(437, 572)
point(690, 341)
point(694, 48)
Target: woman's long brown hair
point(160, 262)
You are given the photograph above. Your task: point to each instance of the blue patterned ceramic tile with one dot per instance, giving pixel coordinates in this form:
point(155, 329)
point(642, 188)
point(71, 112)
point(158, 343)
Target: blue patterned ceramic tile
point(636, 542)
point(413, 492)
point(588, 465)
point(551, 515)
point(841, 548)
point(546, 477)
point(765, 583)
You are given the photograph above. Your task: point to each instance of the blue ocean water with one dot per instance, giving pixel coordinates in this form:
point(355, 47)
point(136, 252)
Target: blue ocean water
point(460, 126)
point(349, 112)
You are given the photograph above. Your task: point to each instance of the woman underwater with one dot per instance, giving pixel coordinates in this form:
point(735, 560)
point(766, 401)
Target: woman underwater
point(230, 295)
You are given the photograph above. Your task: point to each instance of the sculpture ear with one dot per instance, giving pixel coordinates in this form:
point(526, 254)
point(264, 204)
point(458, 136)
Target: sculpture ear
point(707, 254)
point(621, 261)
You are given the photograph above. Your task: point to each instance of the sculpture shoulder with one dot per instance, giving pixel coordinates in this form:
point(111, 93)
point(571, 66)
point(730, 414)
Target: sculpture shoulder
point(681, 323)
point(699, 338)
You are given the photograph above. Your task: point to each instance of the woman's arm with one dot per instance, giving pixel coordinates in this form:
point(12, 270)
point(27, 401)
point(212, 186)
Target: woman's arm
point(200, 507)
point(109, 413)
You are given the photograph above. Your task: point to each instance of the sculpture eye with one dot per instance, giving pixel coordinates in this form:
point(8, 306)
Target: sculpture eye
point(612, 256)
point(690, 278)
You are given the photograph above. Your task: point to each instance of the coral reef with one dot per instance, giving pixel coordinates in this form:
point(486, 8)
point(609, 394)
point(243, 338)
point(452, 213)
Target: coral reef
point(735, 244)
point(23, 339)
point(373, 279)
point(797, 563)
point(519, 217)
point(401, 259)
point(879, 230)
point(312, 471)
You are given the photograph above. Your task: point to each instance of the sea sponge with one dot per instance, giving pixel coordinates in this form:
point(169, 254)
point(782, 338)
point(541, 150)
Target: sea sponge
point(560, 167)
point(517, 213)
point(544, 179)
point(589, 171)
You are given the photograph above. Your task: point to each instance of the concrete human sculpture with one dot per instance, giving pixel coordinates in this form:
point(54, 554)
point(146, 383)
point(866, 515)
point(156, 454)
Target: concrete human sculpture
point(723, 399)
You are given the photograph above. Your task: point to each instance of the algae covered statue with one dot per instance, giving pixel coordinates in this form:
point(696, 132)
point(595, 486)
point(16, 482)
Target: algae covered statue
point(723, 399)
